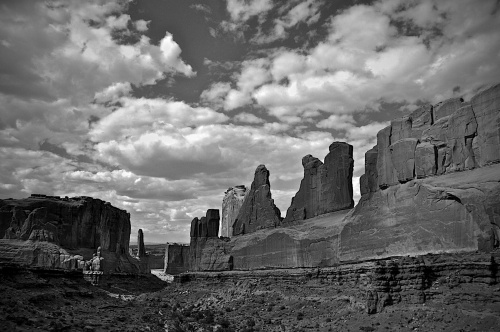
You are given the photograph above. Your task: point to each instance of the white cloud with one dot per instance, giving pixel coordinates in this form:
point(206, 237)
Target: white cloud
point(306, 11)
point(248, 118)
point(241, 10)
point(367, 59)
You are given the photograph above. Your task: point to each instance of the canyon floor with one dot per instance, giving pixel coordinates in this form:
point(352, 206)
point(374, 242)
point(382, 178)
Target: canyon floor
point(42, 301)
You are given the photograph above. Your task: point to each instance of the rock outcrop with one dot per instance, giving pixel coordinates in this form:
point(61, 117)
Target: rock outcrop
point(49, 232)
point(258, 210)
point(431, 186)
point(176, 258)
point(326, 187)
point(206, 251)
point(438, 183)
point(231, 205)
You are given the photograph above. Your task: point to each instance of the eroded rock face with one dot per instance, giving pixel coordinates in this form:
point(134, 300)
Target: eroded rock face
point(207, 252)
point(438, 183)
point(258, 210)
point(176, 258)
point(231, 204)
point(53, 226)
point(326, 187)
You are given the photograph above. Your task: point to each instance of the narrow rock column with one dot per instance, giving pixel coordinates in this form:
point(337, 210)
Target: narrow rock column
point(141, 250)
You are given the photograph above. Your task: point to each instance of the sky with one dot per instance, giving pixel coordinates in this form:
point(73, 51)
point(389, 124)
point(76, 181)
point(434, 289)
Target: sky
point(159, 106)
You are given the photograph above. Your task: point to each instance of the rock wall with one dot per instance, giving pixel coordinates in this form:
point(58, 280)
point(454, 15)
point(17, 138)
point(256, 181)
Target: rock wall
point(376, 284)
point(432, 183)
point(326, 187)
point(258, 210)
point(176, 258)
point(207, 252)
point(231, 204)
point(46, 231)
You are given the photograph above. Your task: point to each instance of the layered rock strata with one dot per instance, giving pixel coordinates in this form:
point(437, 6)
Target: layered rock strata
point(326, 187)
point(231, 205)
point(377, 284)
point(258, 210)
point(50, 232)
point(176, 258)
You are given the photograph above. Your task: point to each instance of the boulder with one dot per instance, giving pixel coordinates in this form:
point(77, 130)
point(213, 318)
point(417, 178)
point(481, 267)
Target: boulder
point(231, 204)
point(258, 210)
point(326, 187)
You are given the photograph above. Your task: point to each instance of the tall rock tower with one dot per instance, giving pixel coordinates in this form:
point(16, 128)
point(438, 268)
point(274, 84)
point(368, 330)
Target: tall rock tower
point(231, 204)
point(141, 250)
point(326, 187)
point(258, 210)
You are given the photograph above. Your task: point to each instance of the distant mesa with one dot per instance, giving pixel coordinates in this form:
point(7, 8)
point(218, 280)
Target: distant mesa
point(59, 233)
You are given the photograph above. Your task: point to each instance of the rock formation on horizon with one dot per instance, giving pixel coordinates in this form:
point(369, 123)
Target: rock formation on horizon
point(326, 187)
point(258, 210)
point(53, 232)
point(231, 205)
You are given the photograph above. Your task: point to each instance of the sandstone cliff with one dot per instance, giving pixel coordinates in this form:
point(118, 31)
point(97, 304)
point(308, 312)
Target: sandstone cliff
point(53, 232)
point(206, 251)
point(432, 183)
point(258, 210)
point(326, 187)
point(231, 204)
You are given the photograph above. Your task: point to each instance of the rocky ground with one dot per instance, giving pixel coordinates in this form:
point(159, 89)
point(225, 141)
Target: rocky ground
point(41, 301)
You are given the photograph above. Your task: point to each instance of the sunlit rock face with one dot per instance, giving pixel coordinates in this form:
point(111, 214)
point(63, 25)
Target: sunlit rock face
point(326, 187)
point(438, 183)
point(49, 232)
point(231, 205)
point(431, 185)
point(258, 210)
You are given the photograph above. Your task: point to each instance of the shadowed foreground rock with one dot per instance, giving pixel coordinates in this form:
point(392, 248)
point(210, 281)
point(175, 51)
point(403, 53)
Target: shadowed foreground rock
point(52, 232)
point(206, 251)
point(176, 258)
point(258, 210)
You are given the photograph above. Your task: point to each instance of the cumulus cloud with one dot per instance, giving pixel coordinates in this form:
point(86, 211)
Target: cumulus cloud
point(307, 12)
point(248, 118)
point(396, 52)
